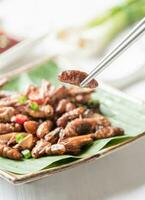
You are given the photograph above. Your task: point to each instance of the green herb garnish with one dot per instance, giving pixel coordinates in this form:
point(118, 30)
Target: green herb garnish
point(20, 137)
point(73, 101)
point(22, 99)
point(34, 106)
point(93, 104)
point(26, 153)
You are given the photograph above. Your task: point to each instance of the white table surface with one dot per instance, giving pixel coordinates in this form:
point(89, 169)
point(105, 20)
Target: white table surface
point(118, 176)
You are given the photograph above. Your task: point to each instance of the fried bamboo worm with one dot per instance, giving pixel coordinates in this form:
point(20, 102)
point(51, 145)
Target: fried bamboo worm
point(39, 148)
point(63, 120)
point(9, 127)
point(53, 136)
point(6, 113)
point(44, 128)
point(75, 77)
point(45, 111)
point(31, 126)
point(84, 126)
point(27, 143)
point(71, 145)
point(8, 152)
point(108, 132)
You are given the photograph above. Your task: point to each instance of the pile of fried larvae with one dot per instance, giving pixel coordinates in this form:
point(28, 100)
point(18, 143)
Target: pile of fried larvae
point(50, 121)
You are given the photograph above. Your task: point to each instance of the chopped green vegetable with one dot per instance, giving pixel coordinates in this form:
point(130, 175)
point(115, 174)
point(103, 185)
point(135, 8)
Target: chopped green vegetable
point(34, 106)
point(20, 137)
point(93, 104)
point(22, 99)
point(94, 101)
point(73, 100)
point(26, 153)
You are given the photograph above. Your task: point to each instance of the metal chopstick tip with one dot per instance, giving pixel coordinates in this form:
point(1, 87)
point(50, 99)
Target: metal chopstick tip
point(83, 83)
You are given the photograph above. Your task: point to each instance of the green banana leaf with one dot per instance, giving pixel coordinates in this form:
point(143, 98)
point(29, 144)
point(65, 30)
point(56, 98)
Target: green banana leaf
point(121, 111)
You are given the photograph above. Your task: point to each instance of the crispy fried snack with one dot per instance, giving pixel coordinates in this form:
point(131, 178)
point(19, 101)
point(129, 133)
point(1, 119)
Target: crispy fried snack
point(8, 152)
point(73, 145)
point(62, 121)
point(53, 136)
point(75, 77)
point(6, 113)
point(9, 127)
point(39, 149)
point(59, 93)
point(44, 128)
point(27, 143)
point(31, 126)
point(51, 121)
point(84, 126)
point(8, 138)
point(108, 132)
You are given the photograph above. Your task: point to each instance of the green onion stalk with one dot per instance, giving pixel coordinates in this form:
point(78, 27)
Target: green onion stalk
point(95, 36)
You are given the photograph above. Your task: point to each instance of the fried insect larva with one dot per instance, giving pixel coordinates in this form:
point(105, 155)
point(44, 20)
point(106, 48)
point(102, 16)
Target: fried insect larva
point(70, 106)
point(31, 126)
point(61, 107)
point(8, 152)
point(38, 94)
point(45, 89)
point(75, 77)
point(55, 149)
point(62, 121)
point(44, 128)
point(101, 120)
point(60, 93)
point(74, 91)
point(39, 148)
point(80, 127)
point(65, 105)
point(6, 113)
point(82, 99)
point(4, 94)
point(8, 101)
point(8, 138)
point(108, 132)
point(9, 127)
point(27, 143)
point(45, 111)
point(53, 136)
point(71, 145)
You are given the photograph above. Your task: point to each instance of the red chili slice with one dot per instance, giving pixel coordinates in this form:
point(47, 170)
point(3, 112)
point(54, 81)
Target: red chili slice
point(39, 101)
point(20, 119)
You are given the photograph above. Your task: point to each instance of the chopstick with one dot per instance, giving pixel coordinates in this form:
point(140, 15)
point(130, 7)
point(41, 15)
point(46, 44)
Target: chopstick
point(134, 34)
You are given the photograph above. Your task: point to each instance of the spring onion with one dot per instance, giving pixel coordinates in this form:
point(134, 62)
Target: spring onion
point(26, 153)
point(93, 104)
point(22, 100)
point(20, 137)
point(34, 106)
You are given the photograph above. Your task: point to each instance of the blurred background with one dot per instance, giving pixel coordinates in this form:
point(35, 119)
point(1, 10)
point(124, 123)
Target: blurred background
point(77, 34)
